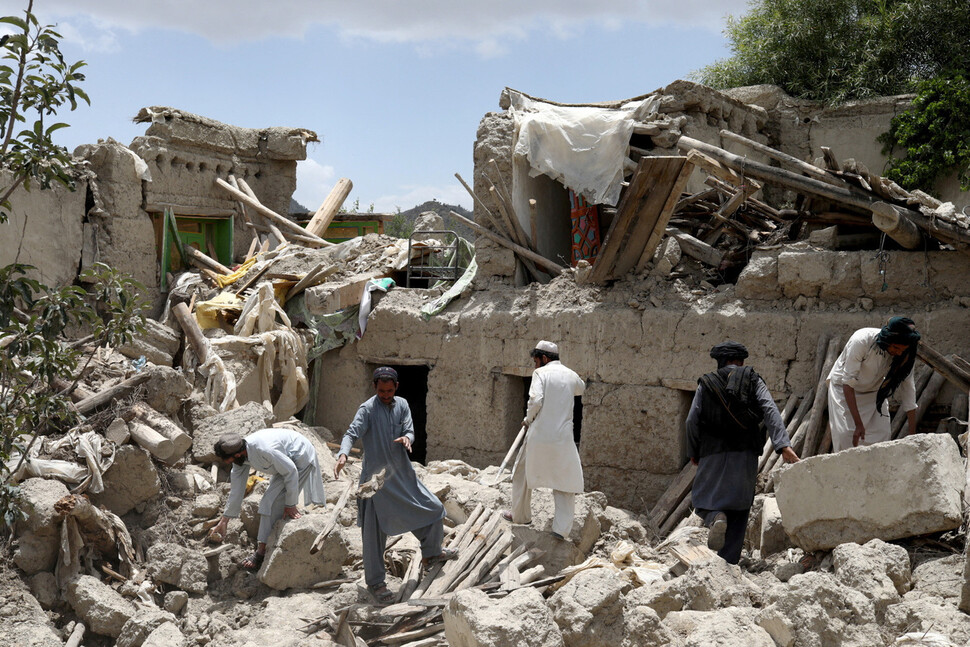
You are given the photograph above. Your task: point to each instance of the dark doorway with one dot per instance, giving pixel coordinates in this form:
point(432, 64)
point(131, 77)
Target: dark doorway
point(413, 387)
point(577, 409)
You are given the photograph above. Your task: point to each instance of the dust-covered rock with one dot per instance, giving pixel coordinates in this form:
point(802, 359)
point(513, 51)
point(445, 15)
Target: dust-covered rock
point(166, 634)
point(729, 627)
point(928, 613)
point(130, 481)
point(941, 577)
point(141, 625)
point(243, 420)
point(38, 535)
point(704, 587)
point(589, 609)
point(102, 609)
point(179, 566)
point(522, 618)
point(22, 620)
point(878, 570)
point(289, 564)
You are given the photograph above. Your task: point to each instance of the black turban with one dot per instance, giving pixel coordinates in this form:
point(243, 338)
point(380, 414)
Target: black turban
point(385, 373)
point(899, 330)
point(729, 350)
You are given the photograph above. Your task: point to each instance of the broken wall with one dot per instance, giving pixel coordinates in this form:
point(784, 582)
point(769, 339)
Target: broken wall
point(44, 230)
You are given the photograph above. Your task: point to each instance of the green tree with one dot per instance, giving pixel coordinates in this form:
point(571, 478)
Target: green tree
point(399, 226)
point(35, 81)
point(837, 50)
point(37, 368)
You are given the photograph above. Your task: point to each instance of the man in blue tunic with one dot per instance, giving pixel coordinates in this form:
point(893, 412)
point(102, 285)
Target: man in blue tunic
point(725, 437)
point(383, 425)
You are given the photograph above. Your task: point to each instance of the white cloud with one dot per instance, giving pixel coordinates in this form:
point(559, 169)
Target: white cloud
point(478, 24)
point(313, 182)
point(411, 196)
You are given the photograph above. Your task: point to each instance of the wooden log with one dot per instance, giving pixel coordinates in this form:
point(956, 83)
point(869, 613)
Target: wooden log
point(926, 400)
point(957, 376)
point(274, 230)
point(95, 526)
point(269, 213)
point(120, 390)
point(920, 378)
point(831, 161)
point(696, 248)
point(319, 272)
point(411, 577)
point(471, 526)
point(808, 169)
point(897, 226)
point(205, 262)
point(534, 222)
point(77, 634)
point(366, 490)
point(513, 450)
point(467, 556)
point(767, 463)
point(813, 433)
point(492, 557)
point(787, 411)
point(680, 513)
point(155, 443)
point(181, 441)
point(328, 209)
point(408, 636)
point(545, 263)
point(193, 334)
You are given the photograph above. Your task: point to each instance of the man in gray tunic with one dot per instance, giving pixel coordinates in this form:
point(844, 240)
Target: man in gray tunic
point(725, 437)
point(291, 460)
point(383, 425)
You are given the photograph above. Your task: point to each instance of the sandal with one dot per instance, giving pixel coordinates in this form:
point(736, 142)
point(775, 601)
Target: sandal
point(442, 557)
point(253, 562)
point(381, 593)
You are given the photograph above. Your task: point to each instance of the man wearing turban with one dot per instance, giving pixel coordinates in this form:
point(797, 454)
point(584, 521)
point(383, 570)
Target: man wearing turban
point(726, 426)
point(873, 365)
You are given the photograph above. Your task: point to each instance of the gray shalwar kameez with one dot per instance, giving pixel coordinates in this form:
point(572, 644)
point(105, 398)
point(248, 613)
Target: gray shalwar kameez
point(725, 481)
point(404, 504)
point(292, 461)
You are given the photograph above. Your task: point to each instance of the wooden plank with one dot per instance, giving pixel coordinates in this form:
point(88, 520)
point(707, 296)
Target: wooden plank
point(956, 375)
point(659, 227)
point(673, 495)
point(636, 215)
point(331, 205)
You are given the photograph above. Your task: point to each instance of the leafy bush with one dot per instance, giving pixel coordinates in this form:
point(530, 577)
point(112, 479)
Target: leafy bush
point(933, 135)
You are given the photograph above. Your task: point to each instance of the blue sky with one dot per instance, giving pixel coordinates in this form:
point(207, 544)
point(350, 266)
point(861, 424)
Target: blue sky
point(394, 89)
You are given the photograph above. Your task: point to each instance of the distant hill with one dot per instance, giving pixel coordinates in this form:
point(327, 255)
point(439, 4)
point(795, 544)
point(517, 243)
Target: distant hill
point(442, 210)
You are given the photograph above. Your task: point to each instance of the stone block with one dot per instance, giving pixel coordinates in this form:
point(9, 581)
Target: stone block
point(731, 627)
point(773, 536)
point(166, 389)
point(130, 481)
point(558, 553)
point(142, 625)
point(166, 634)
point(289, 563)
point(243, 420)
point(887, 491)
point(867, 569)
point(100, 607)
point(157, 343)
point(704, 587)
point(759, 278)
point(472, 619)
point(38, 536)
point(589, 609)
point(179, 566)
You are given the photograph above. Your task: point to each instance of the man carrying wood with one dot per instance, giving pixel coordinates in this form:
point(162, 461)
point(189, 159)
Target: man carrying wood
point(383, 425)
point(873, 364)
point(291, 460)
point(549, 457)
point(725, 435)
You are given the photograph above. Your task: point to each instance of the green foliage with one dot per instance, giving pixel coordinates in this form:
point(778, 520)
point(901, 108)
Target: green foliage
point(33, 319)
point(35, 81)
point(933, 135)
point(400, 226)
point(837, 50)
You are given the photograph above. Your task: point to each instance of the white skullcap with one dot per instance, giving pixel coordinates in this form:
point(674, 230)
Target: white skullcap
point(547, 346)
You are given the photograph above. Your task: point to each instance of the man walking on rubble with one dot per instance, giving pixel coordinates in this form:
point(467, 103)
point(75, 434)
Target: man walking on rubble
point(291, 460)
point(549, 457)
point(383, 425)
point(873, 364)
point(725, 437)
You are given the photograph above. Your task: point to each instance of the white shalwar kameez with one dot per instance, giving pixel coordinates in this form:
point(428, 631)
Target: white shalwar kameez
point(863, 366)
point(549, 457)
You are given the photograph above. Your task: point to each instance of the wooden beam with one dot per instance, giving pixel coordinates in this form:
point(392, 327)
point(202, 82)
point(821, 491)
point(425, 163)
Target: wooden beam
point(953, 373)
point(808, 169)
point(542, 261)
point(888, 219)
point(269, 213)
point(331, 205)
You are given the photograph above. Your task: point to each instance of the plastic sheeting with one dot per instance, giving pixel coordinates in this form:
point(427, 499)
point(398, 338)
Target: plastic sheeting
point(582, 147)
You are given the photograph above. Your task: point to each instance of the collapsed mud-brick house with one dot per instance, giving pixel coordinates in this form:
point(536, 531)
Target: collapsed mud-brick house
point(116, 215)
point(641, 334)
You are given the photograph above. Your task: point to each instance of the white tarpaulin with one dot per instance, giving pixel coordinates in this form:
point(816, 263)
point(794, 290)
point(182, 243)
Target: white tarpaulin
point(582, 147)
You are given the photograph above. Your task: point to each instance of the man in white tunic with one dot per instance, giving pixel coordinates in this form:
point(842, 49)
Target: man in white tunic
point(549, 457)
point(874, 362)
point(291, 460)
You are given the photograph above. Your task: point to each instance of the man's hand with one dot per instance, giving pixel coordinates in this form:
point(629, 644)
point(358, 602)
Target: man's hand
point(858, 435)
point(404, 440)
point(291, 512)
point(341, 461)
point(789, 456)
point(218, 532)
